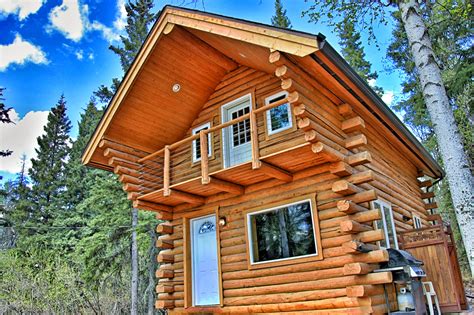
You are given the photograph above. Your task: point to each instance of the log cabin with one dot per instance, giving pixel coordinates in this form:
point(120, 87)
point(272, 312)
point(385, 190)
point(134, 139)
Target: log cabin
point(280, 177)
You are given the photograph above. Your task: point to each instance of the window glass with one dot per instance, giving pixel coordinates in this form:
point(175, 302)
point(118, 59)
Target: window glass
point(283, 232)
point(417, 222)
point(241, 130)
point(386, 224)
point(278, 118)
point(197, 142)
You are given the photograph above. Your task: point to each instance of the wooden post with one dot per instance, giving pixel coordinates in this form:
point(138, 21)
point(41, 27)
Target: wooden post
point(204, 157)
point(254, 137)
point(166, 172)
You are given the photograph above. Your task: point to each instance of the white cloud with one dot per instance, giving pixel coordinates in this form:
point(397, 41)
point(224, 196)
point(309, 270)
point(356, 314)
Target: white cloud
point(387, 97)
point(21, 138)
point(372, 82)
point(72, 19)
point(68, 19)
point(20, 52)
point(91, 56)
point(79, 54)
point(121, 20)
point(22, 8)
point(108, 33)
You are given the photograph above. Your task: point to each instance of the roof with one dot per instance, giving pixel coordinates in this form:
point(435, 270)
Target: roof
point(183, 40)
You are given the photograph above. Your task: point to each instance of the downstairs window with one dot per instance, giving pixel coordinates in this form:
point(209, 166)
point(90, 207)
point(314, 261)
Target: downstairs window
point(284, 232)
point(387, 224)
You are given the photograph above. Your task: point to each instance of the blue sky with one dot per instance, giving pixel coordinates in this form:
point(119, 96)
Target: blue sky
point(61, 46)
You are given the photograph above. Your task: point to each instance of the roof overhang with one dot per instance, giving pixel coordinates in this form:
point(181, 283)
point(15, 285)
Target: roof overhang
point(230, 42)
point(254, 40)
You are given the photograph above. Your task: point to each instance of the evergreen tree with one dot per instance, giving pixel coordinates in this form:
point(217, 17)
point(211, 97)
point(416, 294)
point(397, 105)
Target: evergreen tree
point(139, 20)
point(4, 118)
point(353, 51)
point(47, 173)
point(280, 19)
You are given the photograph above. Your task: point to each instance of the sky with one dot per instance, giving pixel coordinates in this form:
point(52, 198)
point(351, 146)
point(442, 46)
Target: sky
point(54, 47)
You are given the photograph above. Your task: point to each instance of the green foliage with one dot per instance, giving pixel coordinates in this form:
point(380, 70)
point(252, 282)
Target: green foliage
point(280, 19)
point(363, 14)
point(139, 18)
point(353, 51)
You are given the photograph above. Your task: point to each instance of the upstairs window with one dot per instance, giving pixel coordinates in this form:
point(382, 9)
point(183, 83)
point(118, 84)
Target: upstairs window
point(284, 232)
point(417, 222)
point(197, 142)
point(278, 118)
point(386, 224)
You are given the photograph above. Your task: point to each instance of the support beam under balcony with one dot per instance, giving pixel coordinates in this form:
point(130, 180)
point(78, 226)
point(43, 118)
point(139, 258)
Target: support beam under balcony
point(276, 172)
point(187, 197)
point(226, 186)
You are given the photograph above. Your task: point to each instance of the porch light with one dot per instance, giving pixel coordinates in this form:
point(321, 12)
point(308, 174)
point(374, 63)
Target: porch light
point(176, 87)
point(222, 221)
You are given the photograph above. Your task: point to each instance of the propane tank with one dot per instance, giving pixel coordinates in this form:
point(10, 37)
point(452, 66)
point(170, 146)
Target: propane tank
point(405, 300)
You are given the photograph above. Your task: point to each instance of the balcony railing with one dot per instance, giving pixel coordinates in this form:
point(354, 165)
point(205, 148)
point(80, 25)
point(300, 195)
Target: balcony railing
point(151, 163)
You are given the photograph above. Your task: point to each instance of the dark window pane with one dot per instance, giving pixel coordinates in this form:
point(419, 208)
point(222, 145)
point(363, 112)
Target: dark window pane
point(197, 144)
point(279, 117)
point(283, 233)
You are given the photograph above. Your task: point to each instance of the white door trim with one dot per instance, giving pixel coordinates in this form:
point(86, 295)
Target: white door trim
point(224, 109)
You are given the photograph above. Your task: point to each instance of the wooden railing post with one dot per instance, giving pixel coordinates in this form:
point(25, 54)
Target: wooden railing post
point(166, 171)
point(204, 157)
point(254, 139)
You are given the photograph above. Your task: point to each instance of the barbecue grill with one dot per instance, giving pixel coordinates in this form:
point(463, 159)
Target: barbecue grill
point(407, 273)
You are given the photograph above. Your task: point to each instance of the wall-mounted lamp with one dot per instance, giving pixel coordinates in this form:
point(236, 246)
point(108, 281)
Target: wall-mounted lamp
point(222, 221)
point(176, 87)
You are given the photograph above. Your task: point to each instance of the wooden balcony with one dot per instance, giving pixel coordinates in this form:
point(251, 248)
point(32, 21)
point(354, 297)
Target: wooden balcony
point(167, 181)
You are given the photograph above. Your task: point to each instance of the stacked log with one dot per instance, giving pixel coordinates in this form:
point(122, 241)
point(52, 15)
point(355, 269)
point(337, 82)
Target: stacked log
point(136, 178)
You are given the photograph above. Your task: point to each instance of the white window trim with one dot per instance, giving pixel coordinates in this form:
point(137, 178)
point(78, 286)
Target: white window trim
point(250, 234)
point(209, 142)
point(417, 224)
point(268, 114)
point(384, 222)
point(224, 119)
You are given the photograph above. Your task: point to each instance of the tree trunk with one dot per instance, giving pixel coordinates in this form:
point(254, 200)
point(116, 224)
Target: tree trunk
point(151, 271)
point(134, 249)
point(455, 160)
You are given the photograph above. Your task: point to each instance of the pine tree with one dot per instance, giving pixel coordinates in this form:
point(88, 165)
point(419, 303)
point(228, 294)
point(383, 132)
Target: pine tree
point(353, 51)
point(48, 168)
point(139, 20)
point(280, 19)
point(4, 118)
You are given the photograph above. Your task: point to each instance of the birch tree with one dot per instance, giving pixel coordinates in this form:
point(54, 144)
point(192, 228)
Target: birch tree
point(455, 160)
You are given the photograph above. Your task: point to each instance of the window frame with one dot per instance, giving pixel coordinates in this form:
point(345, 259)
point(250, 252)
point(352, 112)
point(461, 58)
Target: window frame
point(289, 260)
point(209, 141)
point(383, 203)
point(417, 221)
point(268, 120)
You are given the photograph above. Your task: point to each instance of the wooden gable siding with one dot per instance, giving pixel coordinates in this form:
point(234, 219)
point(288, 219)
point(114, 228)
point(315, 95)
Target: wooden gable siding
point(237, 83)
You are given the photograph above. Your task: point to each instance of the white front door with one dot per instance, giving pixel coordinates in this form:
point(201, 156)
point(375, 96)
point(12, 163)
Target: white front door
point(205, 275)
point(237, 144)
